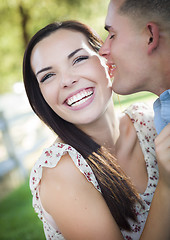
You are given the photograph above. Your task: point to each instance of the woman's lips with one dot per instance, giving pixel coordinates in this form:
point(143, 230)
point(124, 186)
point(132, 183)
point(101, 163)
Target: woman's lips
point(80, 99)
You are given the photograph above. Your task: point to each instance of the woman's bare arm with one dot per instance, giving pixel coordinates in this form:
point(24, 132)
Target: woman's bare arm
point(78, 209)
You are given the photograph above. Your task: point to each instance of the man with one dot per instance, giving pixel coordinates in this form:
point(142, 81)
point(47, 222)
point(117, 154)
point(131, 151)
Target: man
point(138, 52)
point(138, 45)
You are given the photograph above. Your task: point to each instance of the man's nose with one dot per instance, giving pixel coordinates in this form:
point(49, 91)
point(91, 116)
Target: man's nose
point(105, 49)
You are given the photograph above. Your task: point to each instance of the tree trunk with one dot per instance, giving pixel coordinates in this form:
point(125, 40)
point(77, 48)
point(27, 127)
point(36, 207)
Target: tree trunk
point(24, 20)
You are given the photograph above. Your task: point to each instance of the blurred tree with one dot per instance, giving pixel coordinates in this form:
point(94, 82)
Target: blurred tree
point(20, 19)
point(24, 20)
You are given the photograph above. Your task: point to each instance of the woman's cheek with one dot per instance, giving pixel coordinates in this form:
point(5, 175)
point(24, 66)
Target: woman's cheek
point(50, 94)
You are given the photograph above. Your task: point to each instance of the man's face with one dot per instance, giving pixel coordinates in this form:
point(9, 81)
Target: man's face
point(126, 47)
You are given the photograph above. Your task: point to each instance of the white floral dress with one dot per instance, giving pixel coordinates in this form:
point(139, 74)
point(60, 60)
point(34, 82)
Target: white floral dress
point(142, 119)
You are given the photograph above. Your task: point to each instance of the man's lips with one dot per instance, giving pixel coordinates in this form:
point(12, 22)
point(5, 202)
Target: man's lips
point(111, 70)
point(79, 97)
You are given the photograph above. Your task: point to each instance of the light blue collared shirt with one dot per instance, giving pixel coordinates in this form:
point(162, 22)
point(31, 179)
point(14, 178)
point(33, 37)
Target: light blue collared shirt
point(162, 111)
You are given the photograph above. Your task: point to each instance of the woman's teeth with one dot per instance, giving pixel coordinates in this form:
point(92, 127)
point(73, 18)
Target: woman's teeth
point(80, 97)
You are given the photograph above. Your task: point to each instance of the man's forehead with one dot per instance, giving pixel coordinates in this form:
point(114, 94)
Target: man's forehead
point(115, 3)
point(113, 9)
point(110, 15)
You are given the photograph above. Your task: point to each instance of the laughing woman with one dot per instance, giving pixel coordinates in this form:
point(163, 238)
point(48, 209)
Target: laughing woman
point(80, 190)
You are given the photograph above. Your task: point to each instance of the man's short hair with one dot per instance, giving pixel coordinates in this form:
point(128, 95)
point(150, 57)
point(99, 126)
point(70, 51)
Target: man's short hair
point(144, 11)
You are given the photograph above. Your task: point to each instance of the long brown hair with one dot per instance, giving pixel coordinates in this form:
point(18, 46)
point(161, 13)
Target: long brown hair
point(116, 188)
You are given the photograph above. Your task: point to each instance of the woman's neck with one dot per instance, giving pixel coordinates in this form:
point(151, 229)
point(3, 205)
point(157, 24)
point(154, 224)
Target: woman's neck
point(105, 130)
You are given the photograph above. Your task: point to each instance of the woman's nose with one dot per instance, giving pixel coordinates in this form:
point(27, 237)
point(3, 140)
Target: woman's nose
point(68, 80)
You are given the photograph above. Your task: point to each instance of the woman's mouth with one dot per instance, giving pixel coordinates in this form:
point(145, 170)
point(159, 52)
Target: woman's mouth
point(80, 99)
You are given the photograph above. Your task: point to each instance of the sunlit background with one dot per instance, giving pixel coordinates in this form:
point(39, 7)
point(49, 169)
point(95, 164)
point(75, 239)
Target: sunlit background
point(22, 134)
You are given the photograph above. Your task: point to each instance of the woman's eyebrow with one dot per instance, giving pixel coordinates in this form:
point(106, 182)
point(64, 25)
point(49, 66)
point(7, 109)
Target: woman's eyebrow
point(69, 56)
point(74, 52)
point(43, 70)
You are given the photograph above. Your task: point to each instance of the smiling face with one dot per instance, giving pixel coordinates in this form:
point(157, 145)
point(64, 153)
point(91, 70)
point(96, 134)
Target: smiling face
point(126, 47)
point(73, 79)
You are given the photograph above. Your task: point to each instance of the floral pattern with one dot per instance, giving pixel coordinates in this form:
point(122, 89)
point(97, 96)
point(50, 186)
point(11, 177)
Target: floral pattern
point(142, 119)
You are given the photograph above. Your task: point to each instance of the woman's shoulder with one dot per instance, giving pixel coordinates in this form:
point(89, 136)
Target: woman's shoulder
point(136, 124)
point(143, 122)
point(138, 111)
point(142, 117)
point(50, 159)
point(138, 114)
point(61, 181)
point(59, 171)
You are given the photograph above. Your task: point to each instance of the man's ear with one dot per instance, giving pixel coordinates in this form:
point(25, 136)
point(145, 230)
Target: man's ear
point(153, 37)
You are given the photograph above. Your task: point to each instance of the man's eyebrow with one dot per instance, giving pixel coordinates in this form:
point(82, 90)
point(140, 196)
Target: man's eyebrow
point(43, 70)
point(74, 52)
point(107, 27)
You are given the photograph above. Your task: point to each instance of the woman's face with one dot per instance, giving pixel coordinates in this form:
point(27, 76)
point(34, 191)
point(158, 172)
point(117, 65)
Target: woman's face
point(73, 79)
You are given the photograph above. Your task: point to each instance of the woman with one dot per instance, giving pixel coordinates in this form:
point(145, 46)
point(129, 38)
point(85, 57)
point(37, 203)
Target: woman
point(79, 190)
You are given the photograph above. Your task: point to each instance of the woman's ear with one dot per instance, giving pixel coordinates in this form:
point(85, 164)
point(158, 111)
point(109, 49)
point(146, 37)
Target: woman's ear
point(153, 37)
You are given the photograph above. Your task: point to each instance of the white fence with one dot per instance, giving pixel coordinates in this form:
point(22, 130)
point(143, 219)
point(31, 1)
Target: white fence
point(12, 159)
point(21, 134)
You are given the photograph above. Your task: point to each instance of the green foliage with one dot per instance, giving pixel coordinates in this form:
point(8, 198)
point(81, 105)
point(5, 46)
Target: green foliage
point(37, 14)
point(18, 220)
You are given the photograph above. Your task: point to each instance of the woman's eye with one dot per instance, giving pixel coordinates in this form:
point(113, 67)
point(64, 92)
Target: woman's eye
point(79, 59)
point(48, 75)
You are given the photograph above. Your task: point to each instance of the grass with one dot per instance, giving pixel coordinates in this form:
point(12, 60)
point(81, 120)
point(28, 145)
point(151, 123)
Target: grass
point(18, 220)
